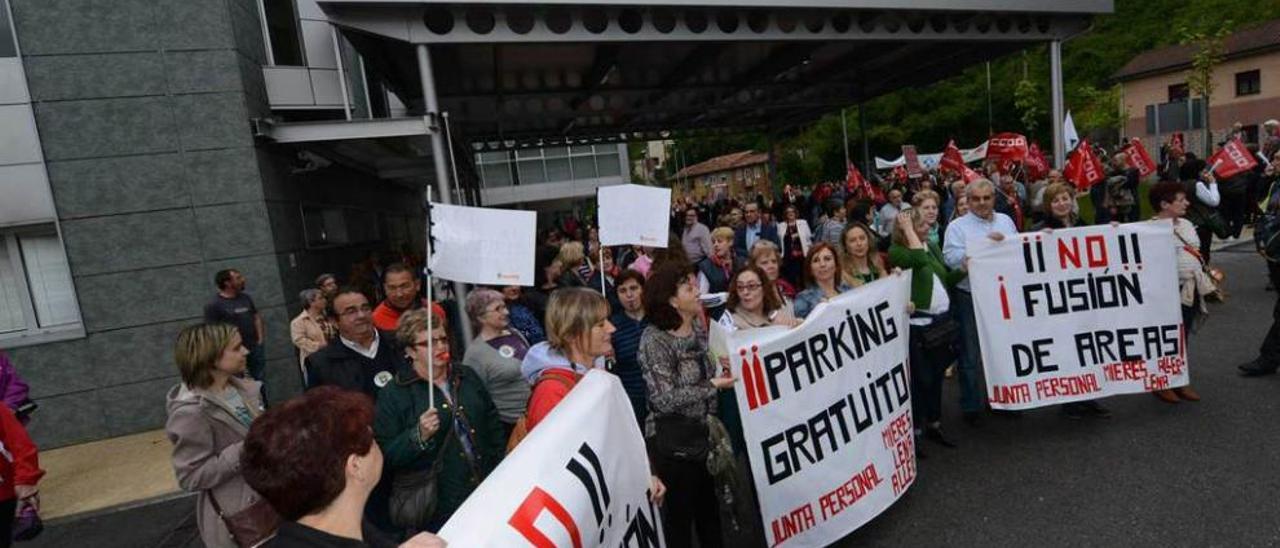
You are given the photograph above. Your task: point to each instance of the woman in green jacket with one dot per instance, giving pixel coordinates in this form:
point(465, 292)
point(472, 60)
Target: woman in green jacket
point(462, 435)
point(931, 337)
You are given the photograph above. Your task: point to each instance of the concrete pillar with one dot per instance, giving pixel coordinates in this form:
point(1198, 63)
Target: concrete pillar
point(438, 153)
point(1055, 85)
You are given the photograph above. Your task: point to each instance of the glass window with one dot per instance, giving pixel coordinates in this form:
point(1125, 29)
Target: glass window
point(8, 46)
point(558, 169)
point(11, 305)
point(584, 167)
point(49, 279)
point(531, 172)
point(1179, 92)
point(1248, 83)
point(36, 292)
point(607, 162)
point(496, 175)
point(282, 29)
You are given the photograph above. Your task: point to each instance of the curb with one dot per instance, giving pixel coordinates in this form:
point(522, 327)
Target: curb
point(124, 506)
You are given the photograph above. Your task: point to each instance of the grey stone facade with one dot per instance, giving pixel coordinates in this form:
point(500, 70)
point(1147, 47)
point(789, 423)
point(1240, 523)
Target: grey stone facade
point(143, 109)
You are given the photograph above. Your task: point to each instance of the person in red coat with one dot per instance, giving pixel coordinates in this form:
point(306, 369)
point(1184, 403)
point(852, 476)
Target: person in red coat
point(19, 472)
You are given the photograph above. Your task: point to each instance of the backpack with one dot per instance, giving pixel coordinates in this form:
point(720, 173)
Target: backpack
point(521, 428)
point(1266, 230)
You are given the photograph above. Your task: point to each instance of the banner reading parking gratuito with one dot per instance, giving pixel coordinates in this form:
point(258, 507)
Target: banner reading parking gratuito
point(826, 410)
point(1078, 314)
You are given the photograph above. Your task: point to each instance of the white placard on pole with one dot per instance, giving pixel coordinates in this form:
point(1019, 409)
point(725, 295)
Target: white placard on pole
point(483, 245)
point(635, 215)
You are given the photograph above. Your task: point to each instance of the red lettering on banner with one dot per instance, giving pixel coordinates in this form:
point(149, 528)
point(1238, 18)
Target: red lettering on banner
point(849, 492)
point(897, 429)
point(793, 523)
point(1132, 370)
point(1095, 248)
point(1155, 382)
point(1170, 365)
point(527, 513)
point(1069, 254)
point(1016, 393)
point(1067, 386)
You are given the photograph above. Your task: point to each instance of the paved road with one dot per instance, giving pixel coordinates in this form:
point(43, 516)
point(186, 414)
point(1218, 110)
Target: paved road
point(1205, 474)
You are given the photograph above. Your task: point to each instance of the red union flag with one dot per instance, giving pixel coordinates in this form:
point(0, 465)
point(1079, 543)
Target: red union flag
point(1084, 169)
point(914, 169)
point(1138, 157)
point(858, 185)
point(1234, 158)
point(1010, 147)
point(951, 158)
point(1037, 164)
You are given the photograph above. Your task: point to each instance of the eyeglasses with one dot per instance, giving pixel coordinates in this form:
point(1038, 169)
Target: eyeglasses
point(436, 341)
point(749, 286)
point(364, 308)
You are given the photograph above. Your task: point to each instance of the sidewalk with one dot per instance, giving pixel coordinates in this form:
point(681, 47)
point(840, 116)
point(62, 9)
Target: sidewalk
point(89, 477)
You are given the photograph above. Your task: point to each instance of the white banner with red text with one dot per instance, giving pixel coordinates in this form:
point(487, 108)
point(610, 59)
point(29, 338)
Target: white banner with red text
point(1078, 314)
point(826, 409)
point(581, 478)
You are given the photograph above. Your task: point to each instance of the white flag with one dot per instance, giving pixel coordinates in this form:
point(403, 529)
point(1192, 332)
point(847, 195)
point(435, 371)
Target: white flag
point(482, 245)
point(634, 214)
point(1069, 133)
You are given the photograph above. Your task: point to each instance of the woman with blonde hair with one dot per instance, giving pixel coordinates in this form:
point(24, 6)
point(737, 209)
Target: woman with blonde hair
point(209, 414)
point(579, 335)
point(928, 202)
point(859, 256)
point(716, 269)
point(1059, 207)
point(766, 257)
point(573, 265)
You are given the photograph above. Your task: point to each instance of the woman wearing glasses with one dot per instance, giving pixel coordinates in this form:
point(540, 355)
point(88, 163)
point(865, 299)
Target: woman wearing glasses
point(495, 354)
point(461, 437)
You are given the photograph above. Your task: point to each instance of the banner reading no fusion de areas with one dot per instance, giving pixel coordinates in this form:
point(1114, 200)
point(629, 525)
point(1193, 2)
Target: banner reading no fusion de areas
point(1078, 314)
point(580, 479)
point(826, 411)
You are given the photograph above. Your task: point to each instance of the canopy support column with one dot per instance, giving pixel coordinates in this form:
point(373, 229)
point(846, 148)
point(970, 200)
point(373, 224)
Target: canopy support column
point(1055, 85)
point(431, 108)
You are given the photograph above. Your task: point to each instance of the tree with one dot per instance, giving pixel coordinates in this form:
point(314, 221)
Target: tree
point(1208, 51)
point(1100, 109)
point(1026, 97)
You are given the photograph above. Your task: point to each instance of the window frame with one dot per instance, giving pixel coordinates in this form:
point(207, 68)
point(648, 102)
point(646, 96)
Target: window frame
point(1256, 80)
point(9, 28)
point(33, 333)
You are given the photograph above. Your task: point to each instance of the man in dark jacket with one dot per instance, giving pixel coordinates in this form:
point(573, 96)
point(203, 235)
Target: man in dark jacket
point(362, 359)
point(752, 231)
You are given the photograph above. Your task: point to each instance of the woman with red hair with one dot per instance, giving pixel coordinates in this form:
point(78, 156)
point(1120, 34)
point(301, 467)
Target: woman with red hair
point(314, 459)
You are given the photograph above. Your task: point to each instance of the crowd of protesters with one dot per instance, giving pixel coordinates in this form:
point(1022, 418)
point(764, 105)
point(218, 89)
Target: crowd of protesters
point(377, 420)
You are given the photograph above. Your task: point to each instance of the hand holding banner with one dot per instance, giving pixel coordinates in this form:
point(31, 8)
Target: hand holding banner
point(634, 214)
point(826, 413)
point(482, 245)
point(1078, 314)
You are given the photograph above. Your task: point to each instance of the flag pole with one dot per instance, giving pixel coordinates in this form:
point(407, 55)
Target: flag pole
point(431, 351)
point(601, 265)
point(844, 130)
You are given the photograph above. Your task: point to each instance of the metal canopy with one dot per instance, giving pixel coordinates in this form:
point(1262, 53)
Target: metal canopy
point(521, 74)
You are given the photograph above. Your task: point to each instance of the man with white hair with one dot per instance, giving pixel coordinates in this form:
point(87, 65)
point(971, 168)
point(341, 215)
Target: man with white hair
point(982, 221)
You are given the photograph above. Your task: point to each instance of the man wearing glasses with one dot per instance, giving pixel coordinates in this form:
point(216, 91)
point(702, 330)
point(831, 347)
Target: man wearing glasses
point(365, 360)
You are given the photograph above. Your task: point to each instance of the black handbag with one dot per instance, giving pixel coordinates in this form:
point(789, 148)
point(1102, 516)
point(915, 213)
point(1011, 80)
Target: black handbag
point(681, 438)
point(937, 340)
point(415, 493)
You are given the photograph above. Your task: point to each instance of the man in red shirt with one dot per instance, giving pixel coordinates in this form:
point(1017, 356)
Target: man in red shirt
point(401, 288)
